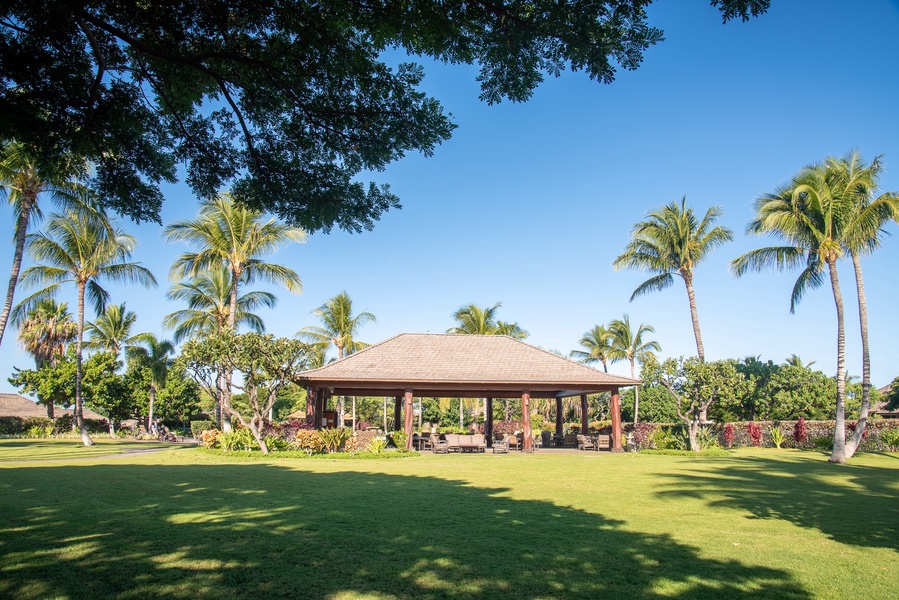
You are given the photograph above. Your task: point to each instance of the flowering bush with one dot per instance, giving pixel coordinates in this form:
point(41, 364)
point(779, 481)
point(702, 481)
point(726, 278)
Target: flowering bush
point(800, 435)
point(209, 437)
point(755, 433)
point(729, 434)
point(308, 440)
point(334, 438)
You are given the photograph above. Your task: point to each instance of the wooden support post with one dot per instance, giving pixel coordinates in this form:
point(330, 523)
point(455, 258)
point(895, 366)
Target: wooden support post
point(528, 445)
point(409, 419)
point(616, 421)
point(488, 421)
point(397, 410)
point(585, 422)
point(321, 401)
point(311, 406)
point(559, 417)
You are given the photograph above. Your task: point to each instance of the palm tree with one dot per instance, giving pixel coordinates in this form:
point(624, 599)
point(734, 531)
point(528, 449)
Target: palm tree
point(808, 215)
point(795, 361)
point(231, 235)
point(672, 242)
point(24, 182)
point(208, 297)
point(111, 330)
point(475, 320)
point(339, 328)
point(79, 248)
point(44, 333)
point(149, 352)
point(860, 236)
point(628, 344)
point(597, 344)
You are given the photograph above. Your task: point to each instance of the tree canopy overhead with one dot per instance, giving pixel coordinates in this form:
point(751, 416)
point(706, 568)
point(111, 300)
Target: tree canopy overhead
point(284, 101)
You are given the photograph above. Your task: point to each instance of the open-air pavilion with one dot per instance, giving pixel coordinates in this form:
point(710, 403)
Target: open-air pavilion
point(462, 366)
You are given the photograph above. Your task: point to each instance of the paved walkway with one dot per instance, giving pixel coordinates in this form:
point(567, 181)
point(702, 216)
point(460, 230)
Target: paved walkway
point(124, 454)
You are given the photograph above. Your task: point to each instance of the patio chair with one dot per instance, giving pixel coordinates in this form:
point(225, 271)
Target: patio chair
point(585, 443)
point(479, 442)
point(513, 442)
point(453, 443)
point(439, 446)
point(603, 442)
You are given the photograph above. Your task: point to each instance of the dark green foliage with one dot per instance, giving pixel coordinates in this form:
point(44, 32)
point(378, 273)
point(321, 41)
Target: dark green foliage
point(198, 427)
point(893, 395)
point(11, 425)
point(287, 101)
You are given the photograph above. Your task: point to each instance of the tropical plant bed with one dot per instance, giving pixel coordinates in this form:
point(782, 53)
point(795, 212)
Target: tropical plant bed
point(255, 454)
point(194, 524)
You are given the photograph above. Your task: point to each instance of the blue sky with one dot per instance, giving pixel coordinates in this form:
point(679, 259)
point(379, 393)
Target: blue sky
point(529, 204)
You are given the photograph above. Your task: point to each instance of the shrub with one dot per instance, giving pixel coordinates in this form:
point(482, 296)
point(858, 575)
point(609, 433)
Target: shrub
point(822, 442)
point(237, 439)
point(800, 435)
point(890, 439)
point(597, 425)
point(729, 434)
point(706, 438)
point(643, 433)
point(276, 444)
point(198, 427)
point(399, 439)
point(334, 438)
point(664, 439)
point(11, 425)
point(352, 444)
point(308, 440)
point(777, 435)
point(209, 437)
point(377, 445)
point(755, 433)
point(64, 424)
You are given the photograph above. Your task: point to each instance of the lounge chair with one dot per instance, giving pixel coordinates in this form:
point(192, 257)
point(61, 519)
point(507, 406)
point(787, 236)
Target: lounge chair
point(453, 444)
point(501, 446)
point(478, 442)
point(513, 442)
point(603, 442)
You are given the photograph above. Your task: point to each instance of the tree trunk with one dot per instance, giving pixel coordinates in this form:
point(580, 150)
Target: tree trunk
point(225, 399)
point(856, 439)
point(79, 401)
point(700, 349)
point(152, 402)
point(21, 230)
point(839, 435)
point(636, 394)
point(694, 430)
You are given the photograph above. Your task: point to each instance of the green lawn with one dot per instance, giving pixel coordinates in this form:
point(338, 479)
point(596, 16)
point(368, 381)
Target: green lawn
point(57, 449)
point(187, 524)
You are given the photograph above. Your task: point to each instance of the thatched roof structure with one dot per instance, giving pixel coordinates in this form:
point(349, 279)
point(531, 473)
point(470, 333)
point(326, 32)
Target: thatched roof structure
point(14, 405)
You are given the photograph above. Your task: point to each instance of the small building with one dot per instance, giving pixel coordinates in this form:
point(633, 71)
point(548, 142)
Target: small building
point(880, 409)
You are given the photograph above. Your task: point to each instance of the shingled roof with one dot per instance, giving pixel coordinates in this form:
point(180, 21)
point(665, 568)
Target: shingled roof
point(14, 405)
point(460, 366)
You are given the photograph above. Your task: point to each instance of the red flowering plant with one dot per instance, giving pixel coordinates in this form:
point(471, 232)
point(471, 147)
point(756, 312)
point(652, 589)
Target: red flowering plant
point(755, 433)
point(729, 435)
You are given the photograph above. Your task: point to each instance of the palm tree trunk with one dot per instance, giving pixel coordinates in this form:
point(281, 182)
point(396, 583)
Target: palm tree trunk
point(21, 231)
point(700, 349)
point(856, 438)
point(636, 394)
point(839, 435)
point(79, 401)
point(228, 375)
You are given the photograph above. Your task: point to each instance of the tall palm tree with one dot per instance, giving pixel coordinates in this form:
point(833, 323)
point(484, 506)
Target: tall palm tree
point(860, 236)
point(208, 297)
point(672, 241)
point(475, 320)
point(44, 333)
point(23, 182)
point(111, 331)
point(154, 354)
point(808, 215)
point(339, 328)
point(231, 235)
point(78, 247)
point(597, 344)
point(628, 344)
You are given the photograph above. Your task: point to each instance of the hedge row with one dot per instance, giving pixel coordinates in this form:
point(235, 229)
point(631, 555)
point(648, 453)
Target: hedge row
point(818, 434)
point(63, 424)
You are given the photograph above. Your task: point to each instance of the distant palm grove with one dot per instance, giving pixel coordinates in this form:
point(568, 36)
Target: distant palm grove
point(211, 359)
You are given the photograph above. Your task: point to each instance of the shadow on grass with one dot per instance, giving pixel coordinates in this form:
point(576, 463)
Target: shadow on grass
point(266, 531)
point(852, 504)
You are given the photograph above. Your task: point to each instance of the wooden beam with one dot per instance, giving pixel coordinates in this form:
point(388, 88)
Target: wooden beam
point(409, 419)
point(488, 422)
point(585, 422)
point(528, 445)
point(559, 417)
point(616, 421)
point(311, 408)
point(397, 410)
